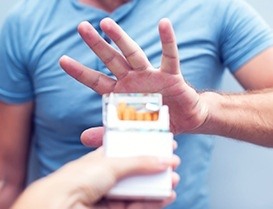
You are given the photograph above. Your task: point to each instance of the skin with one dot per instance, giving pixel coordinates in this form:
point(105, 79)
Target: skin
point(196, 110)
point(133, 66)
point(14, 128)
point(190, 111)
point(79, 184)
point(106, 5)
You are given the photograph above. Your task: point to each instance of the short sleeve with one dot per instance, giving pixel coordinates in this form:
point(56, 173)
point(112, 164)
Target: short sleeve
point(244, 35)
point(15, 82)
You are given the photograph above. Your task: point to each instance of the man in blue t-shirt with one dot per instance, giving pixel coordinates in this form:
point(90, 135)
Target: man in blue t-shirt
point(41, 103)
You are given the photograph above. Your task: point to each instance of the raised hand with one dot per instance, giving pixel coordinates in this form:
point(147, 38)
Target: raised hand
point(134, 73)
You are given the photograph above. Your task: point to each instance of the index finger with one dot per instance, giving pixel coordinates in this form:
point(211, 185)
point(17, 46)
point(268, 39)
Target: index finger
point(113, 59)
point(130, 49)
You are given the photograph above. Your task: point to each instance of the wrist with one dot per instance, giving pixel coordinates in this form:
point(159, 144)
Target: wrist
point(50, 193)
point(210, 103)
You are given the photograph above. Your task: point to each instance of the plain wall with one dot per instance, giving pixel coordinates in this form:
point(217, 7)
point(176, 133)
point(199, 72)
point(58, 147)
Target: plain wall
point(241, 174)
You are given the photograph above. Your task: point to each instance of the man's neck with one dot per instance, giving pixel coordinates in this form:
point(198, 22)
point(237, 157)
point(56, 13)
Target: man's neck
point(107, 5)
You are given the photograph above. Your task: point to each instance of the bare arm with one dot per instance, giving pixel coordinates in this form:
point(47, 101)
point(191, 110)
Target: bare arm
point(258, 72)
point(15, 127)
point(190, 112)
point(247, 116)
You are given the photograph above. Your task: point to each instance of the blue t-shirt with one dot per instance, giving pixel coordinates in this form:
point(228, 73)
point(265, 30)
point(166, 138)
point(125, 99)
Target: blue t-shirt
point(212, 35)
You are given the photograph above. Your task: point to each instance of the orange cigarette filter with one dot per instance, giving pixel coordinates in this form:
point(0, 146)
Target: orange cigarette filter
point(127, 112)
point(147, 116)
point(155, 116)
point(120, 110)
point(139, 116)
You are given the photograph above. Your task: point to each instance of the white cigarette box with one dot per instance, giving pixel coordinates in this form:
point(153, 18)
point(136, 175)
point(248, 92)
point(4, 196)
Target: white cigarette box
point(128, 132)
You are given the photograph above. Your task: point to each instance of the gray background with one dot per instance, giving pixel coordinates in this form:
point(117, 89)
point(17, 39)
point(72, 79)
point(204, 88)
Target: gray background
point(241, 174)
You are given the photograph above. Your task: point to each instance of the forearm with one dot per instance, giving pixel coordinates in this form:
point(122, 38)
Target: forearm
point(12, 181)
point(8, 194)
point(15, 131)
point(247, 117)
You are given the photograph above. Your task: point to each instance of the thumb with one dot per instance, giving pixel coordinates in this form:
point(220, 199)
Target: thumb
point(92, 137)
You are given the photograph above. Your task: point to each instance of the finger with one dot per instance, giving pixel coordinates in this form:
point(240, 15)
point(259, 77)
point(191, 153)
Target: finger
point(130, 204)
point(169, 200)
point(130, 49)
point(145, 205)
point(170, 58)
point(92, 137)
point(152, 204)
point(105, 203)
point(114, 61)
point(95, 80)
point(175, 179)
point(123, 167)
point(175, 161)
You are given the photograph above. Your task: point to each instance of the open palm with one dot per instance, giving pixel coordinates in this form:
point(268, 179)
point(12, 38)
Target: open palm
point(135, 74)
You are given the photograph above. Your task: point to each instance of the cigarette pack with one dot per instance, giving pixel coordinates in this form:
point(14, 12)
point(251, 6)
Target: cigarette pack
point(135, 125)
